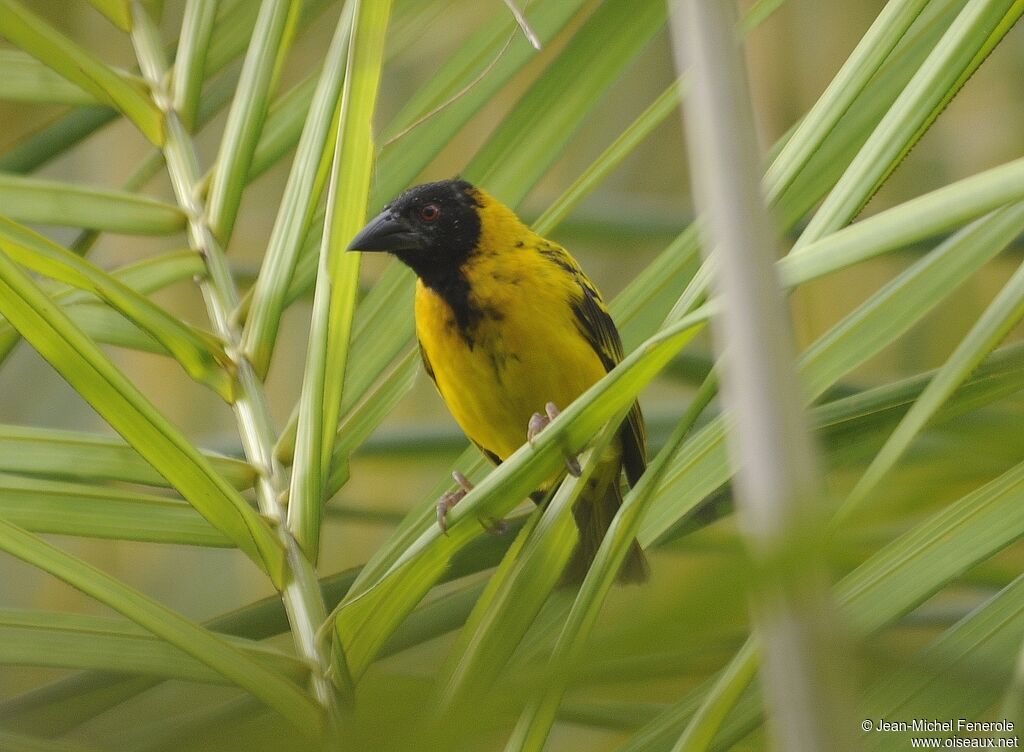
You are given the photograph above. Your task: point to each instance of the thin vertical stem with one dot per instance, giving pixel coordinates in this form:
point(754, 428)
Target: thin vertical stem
point(777, 479)
point(301, 593)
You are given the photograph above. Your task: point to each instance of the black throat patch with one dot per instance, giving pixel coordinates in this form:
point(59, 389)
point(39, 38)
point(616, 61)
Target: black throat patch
point(454, 290)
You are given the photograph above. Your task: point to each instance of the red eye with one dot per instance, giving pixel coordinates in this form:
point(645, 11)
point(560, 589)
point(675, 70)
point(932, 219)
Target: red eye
point(430, 212)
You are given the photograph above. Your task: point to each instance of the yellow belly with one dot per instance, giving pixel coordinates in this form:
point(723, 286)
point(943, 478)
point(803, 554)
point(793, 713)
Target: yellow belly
point(511, 367)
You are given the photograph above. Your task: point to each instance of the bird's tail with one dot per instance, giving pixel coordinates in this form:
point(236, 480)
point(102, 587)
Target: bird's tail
point(593, 517)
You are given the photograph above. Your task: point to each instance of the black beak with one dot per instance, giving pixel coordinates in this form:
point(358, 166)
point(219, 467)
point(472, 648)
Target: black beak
point(387, 232)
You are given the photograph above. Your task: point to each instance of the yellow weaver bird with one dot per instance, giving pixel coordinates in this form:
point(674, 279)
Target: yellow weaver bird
point(509, 328)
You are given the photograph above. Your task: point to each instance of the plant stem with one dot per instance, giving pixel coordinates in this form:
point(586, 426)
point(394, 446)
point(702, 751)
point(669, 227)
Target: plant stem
point(300, 592)
point(778, 484)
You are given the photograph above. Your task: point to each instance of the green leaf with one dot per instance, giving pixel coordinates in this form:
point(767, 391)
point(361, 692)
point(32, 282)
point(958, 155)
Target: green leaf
point(51, 203)
point(721, 698)
point(1005, 311)
point(92, 375)
point(917, 564)
point(200, 355)
point(231, 34)
point(905, 224)
point(932, 86)
point(534, 726)
point(69, 454)
point(109, 327)
point(54, 139)
point(871, 52)
point(338, 275)
point(273, 689)
point(897, 305)
point(283, 127)
point(25, 79)
point(41, 40)
point(702, 465)
point(517, 591)
point(533, 135)
point(358, 423)
point(988, 636)
point(190, 61)
point(371, 354)
point(117, 11)
point(63, 508)
point(666, 104)
point(896, 579)
point(271, 40)
point(59, 640)
point(105, 324)
point(469, 80)
point(297, 203)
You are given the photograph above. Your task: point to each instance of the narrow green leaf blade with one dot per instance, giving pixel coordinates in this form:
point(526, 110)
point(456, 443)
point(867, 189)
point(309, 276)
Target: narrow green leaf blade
point(273, 689)
point(935, 82)
point(297, 203)
point(338, 277)
point(49, 202)
point(916, 220)
point(871, 52)
point(190, 62)
point(63, 508)
point(91, 373)
point(51, 453)
point(62, 640)
point(117, 11)
point(666, 104)
point(517, 591)
point(531, 137)
point(25, 79)
point(201, 356)
point(41, 40)
point(702, 464)
point(995, 323)
point(269, 46)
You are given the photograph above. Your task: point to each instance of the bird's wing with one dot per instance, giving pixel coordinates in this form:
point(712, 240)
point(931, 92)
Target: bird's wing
point(596, 325)
point(495, 459)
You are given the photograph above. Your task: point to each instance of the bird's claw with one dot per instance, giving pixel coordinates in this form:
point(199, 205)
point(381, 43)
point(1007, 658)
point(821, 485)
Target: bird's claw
point(539, 422)
point(451, 498)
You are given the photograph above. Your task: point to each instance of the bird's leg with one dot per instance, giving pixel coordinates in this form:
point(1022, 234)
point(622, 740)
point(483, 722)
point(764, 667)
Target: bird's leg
point(539, 422)
point(451, 498)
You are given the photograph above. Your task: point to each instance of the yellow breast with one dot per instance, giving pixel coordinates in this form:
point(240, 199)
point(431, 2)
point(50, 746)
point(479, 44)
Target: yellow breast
point(523, 350)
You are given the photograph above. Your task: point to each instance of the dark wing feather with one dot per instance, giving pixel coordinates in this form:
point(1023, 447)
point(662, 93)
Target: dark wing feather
point(596, 325)
point(495, 459)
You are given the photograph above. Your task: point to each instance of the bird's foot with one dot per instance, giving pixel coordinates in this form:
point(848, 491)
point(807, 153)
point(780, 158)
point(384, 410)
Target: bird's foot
point(539, 422)
point(451, 498)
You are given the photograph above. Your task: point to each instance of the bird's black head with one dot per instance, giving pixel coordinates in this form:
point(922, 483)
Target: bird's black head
point(432, 228)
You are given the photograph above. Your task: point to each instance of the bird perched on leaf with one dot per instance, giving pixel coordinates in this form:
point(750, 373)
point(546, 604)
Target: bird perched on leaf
point(510, 328)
